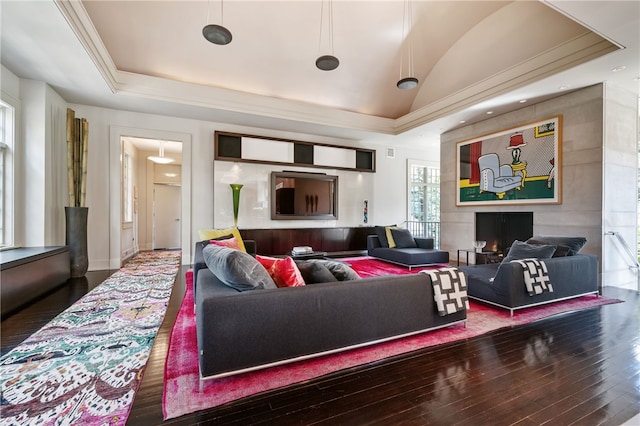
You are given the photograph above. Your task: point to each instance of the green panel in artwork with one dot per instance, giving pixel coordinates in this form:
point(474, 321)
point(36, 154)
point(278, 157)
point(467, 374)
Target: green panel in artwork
point(533, 191)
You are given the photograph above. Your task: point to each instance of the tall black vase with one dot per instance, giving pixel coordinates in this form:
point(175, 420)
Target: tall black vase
point(76, 239)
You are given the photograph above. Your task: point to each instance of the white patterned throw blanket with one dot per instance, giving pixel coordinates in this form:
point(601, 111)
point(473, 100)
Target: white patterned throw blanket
point(536, 277)
point(449, 290)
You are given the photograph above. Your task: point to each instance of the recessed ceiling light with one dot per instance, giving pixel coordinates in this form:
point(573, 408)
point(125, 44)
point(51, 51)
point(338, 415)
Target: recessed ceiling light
point(620, 68)
point(489, 112)
point(563, 87)
point(463, 121)
point(523, 101)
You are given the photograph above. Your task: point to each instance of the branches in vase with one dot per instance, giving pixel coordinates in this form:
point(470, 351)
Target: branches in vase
point(77, 145)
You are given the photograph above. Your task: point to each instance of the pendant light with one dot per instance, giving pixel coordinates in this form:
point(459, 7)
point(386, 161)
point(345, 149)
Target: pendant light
point(160, 158)
point(410, 82)
point(217, 34)
point(327, 62)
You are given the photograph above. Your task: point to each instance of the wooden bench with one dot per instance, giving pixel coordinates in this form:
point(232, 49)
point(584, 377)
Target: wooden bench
point(29, 272)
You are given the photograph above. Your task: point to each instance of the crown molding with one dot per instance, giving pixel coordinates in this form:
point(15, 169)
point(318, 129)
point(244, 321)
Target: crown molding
point(247, 103)
point(564, 56)
point(79, 21)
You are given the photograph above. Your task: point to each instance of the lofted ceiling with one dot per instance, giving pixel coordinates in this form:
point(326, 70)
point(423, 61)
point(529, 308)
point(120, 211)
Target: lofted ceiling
point(470, 56)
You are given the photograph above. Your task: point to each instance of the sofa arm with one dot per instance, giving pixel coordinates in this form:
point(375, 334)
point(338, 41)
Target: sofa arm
point(425, 243)
point(198, 258)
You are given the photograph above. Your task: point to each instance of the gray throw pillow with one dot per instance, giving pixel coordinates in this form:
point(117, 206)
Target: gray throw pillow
point(381, 232)
point(575, 244)
point(403, 238)
point(561, 250)
point(521, 250)
point(340, 270)
point(236, 268)
point(315, 272)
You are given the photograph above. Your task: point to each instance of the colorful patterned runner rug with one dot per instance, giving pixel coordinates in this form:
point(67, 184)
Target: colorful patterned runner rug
point(85, 366)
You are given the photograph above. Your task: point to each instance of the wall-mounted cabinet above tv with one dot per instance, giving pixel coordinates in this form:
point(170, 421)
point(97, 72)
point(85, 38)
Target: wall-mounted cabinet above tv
point(258, 149)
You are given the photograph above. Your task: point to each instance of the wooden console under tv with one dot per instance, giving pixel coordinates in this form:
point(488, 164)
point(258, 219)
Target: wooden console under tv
point(336, 242)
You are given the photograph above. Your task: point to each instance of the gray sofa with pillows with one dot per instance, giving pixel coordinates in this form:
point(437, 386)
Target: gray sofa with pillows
point(570, 273)
point(397, 245)
point(244, 322)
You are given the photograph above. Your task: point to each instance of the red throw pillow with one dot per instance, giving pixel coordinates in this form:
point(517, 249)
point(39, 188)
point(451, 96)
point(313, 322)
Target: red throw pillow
point(229, 242)
point(285, 272)
point(266, 261)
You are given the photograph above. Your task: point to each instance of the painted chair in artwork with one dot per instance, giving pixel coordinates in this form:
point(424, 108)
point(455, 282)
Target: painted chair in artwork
point(496, 178)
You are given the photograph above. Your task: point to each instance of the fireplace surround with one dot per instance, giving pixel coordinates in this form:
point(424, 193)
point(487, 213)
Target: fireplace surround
point(500, 229)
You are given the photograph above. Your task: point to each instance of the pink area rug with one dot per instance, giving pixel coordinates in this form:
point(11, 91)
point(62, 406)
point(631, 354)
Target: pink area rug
point(369, 267)
point(181, 381)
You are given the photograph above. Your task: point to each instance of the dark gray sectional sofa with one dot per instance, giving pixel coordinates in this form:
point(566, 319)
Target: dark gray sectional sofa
point(411, 257)
point(249, 330)
point(502, 284)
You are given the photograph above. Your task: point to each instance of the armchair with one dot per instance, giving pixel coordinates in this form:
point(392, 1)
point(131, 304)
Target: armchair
point(496, 178)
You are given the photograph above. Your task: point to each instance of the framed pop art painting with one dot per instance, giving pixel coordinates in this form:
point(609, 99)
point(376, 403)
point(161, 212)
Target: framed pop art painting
point(520, 165)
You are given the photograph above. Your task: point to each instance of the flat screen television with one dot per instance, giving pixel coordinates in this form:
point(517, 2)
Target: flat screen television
point(297, 195)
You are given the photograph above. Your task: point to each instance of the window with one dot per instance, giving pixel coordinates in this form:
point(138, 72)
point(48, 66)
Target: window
point(423, 217)
point(7, 125)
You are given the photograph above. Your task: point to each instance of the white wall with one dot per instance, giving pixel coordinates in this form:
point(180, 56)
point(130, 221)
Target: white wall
point(43, 165)
point(389, 189)
point(206, 196)
point(33, 96)
point(389, 203)
point(255, 210)
point(205, 181)
point(620, 168)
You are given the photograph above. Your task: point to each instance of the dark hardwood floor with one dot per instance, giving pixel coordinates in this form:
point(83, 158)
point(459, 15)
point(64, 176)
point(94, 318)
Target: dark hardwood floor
point(576, 368)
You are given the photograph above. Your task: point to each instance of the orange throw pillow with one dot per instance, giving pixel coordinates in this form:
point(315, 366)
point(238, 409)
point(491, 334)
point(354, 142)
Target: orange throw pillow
point(285, 272)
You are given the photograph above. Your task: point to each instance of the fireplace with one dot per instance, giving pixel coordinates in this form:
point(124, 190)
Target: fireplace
point(499, 230)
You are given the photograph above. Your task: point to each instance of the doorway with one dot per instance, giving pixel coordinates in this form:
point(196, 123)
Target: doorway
point(154, 172)
point(147, 143)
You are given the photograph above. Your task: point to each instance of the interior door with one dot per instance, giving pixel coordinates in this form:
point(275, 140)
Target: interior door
point(166, 216)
